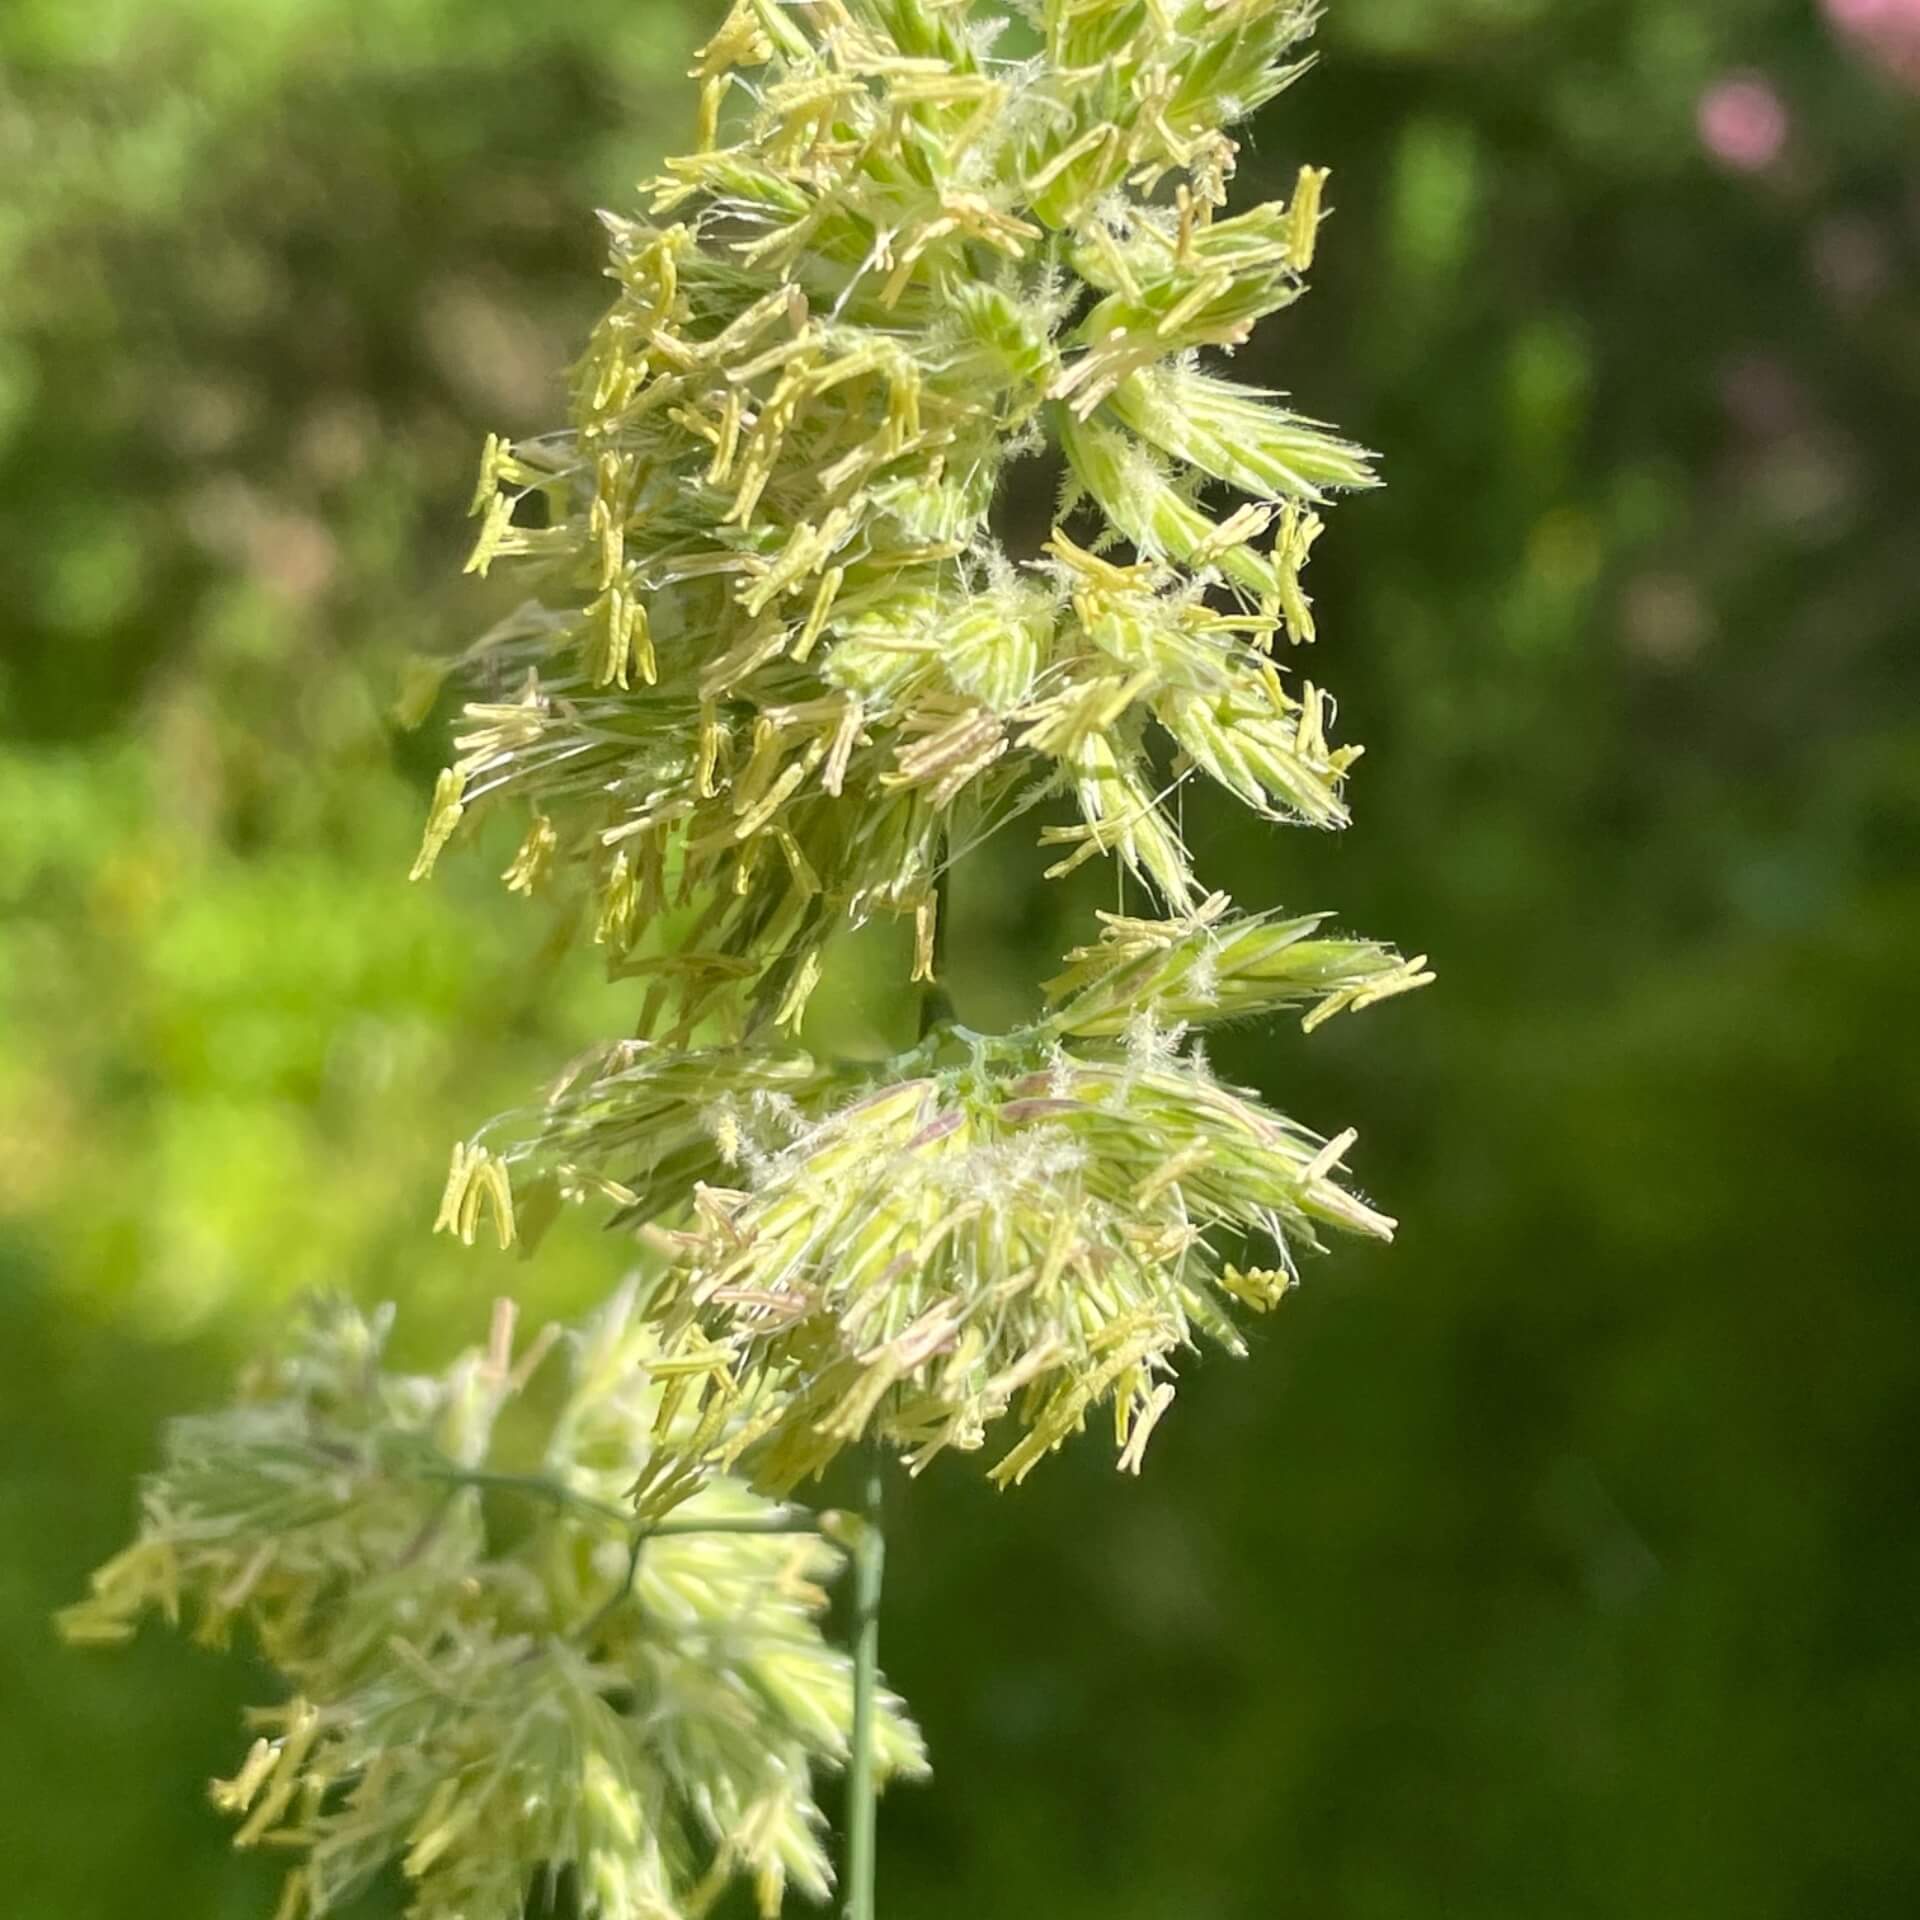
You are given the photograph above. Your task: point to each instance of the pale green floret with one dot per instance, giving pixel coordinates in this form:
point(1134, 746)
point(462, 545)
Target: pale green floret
point(493, 1673)
point(1216, 965)
point(1236, 435)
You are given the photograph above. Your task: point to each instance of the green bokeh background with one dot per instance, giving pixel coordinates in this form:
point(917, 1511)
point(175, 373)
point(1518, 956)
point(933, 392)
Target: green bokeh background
point(1563, 1559)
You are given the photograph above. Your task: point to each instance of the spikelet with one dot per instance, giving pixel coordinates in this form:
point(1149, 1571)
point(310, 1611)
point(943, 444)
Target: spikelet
point(1008, 1239)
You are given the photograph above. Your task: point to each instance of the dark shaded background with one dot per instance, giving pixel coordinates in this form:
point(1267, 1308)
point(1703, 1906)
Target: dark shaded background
point(1560, 1561)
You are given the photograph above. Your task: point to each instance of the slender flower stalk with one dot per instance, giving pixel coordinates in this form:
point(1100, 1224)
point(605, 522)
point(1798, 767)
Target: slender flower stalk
point(869, 1561)
point(772, 673)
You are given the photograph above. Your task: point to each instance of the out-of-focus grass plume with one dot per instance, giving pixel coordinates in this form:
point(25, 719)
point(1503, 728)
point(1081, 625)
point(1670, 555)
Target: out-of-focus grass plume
point(493, 1701)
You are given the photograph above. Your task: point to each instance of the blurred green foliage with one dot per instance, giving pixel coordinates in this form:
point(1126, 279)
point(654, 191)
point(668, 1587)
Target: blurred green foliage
point(1562, 1561)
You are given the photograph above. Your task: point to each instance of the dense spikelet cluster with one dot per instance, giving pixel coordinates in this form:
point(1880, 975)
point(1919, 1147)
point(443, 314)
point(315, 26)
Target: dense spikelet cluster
point(991, 1238)
point(497, 1676)
point(1029, 1226)
point(775, 663)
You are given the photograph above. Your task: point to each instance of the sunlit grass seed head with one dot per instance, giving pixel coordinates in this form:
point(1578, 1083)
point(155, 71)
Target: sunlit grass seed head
point(1007, 1240)
point(773, 650)
point(489, 1678)
point(779, 668)
point(1020, 1229)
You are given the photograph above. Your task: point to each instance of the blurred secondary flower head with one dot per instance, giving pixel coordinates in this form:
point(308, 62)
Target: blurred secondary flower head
point(488, 1698)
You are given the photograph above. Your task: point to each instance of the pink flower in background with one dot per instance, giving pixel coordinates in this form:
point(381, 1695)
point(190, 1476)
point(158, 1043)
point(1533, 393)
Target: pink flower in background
point(1889, 30)
point(1867, 17)
point(1743, 122)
